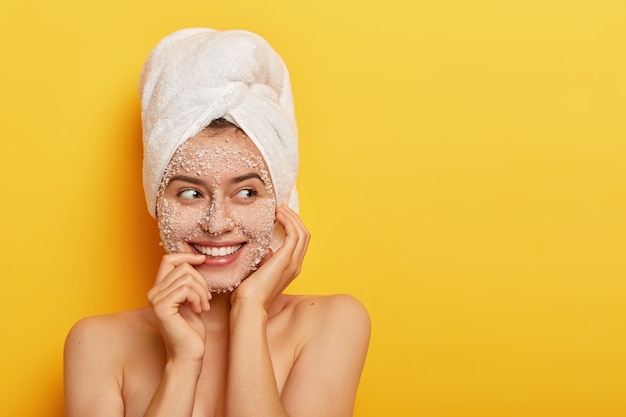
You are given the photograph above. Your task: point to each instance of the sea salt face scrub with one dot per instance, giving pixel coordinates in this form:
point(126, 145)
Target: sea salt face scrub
point(216, 198)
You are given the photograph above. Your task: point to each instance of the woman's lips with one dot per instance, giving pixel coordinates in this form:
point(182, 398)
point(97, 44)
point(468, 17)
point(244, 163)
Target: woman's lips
point(218, 255)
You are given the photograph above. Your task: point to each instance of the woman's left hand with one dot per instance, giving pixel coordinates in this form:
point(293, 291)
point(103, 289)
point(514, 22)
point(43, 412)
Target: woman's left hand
point(277, 270)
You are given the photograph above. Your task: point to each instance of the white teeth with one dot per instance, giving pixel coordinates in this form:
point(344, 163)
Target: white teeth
point(221, 251)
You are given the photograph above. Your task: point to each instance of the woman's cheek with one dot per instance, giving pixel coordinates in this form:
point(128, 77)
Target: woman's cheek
point(257, 223)
point(177, 224)
point(260, 219)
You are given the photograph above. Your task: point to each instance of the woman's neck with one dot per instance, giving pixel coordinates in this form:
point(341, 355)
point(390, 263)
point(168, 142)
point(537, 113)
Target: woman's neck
point(218, 317)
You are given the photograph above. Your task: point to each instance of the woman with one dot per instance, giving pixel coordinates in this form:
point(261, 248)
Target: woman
point(219, 337)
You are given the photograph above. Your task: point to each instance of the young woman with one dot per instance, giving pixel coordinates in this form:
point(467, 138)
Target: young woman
point(219, 337)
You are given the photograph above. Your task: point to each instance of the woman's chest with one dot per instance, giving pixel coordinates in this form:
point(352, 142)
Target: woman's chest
point(144, 366)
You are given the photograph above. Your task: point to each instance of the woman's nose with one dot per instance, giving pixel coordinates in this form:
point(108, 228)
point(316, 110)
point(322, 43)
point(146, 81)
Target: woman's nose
point(216, 219)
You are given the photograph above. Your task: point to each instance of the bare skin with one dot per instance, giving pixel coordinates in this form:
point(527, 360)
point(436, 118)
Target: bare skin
point(255, 352)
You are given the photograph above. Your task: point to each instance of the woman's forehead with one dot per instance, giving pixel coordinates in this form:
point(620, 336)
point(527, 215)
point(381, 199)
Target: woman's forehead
point(229, 137)
point(218, 152)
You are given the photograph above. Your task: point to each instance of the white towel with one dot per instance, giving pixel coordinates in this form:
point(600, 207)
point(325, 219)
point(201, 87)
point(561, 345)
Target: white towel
point(195, 76)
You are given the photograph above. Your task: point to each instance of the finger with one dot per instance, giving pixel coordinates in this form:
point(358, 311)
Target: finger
point(287, 261)
point(178, 271)
point(182, 275)
point(185, 290)
point(172, 260)
point(266, 258)
point(303, 236)
point(290, 220)
point(296, 233)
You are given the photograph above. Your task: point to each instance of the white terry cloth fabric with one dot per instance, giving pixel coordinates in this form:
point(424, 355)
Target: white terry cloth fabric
point(197, 75)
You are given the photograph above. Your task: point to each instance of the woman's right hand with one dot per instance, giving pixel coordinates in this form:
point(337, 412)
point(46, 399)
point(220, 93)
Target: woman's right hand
point(179, 295)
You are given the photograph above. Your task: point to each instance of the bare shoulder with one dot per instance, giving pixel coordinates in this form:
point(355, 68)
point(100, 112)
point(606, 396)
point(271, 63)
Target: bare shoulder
point(107, 324)
point(330, 342)
point(108, 334)
point(96, 351)
point(338, 306)
point(332, 315)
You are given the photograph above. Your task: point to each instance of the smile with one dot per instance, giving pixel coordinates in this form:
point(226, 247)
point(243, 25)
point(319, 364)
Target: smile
point(215, 252)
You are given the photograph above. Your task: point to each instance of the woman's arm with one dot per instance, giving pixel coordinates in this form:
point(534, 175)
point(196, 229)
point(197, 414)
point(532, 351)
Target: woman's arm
point(94, 359)
point(251, 384)
point(178, 297)
point(96, 349)
point(177, 390)
point(326, 372)
point(324, 379)
point(92, 377)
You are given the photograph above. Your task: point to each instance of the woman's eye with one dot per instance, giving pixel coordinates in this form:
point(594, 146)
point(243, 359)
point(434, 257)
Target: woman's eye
point(247, 193)
point(189, 194)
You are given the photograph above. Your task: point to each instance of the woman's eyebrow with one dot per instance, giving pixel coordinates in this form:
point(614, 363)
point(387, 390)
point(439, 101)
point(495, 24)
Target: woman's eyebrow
point(245, 177)
point(234, 180)
point(185, 178)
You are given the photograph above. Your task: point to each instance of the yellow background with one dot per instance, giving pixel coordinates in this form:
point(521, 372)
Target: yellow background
point(463, 174)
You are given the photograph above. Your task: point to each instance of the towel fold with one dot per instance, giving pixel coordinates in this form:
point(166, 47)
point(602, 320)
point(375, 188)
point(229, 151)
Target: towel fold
point(195, 76)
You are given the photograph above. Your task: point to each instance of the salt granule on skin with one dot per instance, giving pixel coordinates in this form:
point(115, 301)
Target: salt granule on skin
point(210, 157)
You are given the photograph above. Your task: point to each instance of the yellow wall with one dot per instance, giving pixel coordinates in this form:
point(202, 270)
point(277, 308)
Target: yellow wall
point(463, 174)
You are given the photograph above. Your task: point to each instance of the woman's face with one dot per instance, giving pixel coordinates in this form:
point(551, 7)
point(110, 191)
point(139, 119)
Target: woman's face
point(216, 198)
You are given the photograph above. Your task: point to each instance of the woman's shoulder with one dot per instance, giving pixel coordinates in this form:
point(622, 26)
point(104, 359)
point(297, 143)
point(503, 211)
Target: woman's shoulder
point(327, 331)
point(107, 331)
point(140, 317)
point(337, 310)
point(332, 303)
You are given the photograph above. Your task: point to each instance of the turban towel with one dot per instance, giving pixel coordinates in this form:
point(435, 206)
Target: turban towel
point(197, 75)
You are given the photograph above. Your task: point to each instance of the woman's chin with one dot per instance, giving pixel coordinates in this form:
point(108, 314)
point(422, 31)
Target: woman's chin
point(224, 279)
point(222, 287)
point(223, 282)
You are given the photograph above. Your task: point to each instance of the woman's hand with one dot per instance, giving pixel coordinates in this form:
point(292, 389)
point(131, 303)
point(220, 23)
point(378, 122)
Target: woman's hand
point(178, 297)
point(277, 270)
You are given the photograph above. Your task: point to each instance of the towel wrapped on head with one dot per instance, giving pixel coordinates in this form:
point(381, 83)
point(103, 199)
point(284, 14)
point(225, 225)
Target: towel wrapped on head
point(195, 76)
